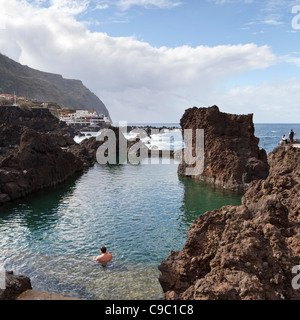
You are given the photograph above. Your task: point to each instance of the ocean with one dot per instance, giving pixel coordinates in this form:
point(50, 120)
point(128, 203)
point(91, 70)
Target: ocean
point(139, 212)
point(271, 134)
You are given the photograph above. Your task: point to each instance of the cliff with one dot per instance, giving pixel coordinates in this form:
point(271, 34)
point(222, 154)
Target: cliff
point(244, 252)
point(49, 87)
point(232, 158)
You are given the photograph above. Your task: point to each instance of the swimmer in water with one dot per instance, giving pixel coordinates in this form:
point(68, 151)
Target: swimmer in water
point(104, 257)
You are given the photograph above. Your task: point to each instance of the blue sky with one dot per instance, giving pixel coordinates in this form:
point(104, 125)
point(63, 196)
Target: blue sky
point(149, 60)
point(196, 22)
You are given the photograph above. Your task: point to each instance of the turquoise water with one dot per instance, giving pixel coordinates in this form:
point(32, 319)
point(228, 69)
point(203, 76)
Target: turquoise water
point(139, 212)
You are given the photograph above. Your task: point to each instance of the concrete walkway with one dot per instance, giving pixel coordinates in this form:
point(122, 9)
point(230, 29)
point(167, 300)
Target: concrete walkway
point(39, 295)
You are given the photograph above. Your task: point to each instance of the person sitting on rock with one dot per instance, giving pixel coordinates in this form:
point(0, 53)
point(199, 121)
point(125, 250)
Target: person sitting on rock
point(284, 140)
point(104, 257)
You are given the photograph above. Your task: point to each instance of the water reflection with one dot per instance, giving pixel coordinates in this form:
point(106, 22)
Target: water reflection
point(38, 210)
point(200, 197)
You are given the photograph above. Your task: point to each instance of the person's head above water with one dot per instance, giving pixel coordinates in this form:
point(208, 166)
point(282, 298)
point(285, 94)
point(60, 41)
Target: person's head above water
point(104, 257)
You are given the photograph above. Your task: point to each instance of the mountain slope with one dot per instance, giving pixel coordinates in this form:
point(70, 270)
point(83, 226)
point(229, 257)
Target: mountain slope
point(43, 86)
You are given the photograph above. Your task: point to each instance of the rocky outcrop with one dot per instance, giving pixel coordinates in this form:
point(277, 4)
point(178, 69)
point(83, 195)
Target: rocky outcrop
point(38, 119)
point(14, 121)
point(39, 162)
point(18, 287)
point(14, 286)
point(232, 158)
point(31, 152)
point(244, 252)
point(86, 151)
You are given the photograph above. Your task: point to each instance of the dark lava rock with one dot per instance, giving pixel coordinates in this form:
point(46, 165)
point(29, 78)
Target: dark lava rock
point(14, 286)
point(244, 252)
point(232, 158)
point(39, 162)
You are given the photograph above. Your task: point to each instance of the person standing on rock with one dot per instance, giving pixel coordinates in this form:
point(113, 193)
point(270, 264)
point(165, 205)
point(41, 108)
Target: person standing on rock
point(291, 136)
point(104, 257)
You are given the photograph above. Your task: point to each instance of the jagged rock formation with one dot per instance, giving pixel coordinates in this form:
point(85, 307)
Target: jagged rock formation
point(14, 286)
point(14, 121)
point(232, 158)
point(244, 252)
point(43, 86)
point(38, 119)
point(38, 162)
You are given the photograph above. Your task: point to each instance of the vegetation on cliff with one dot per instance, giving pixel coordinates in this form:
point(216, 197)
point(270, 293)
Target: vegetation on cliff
point(48, 87)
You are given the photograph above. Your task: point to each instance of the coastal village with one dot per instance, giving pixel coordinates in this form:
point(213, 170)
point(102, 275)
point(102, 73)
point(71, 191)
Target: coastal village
point(84, 118)
point(68, 115)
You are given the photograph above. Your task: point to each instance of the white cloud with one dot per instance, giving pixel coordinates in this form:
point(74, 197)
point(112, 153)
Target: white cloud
point(71, 7)
point(102, 6)
point(276, 101)
point(126, 4)
point(273, 19)
point(231, 1)
point(136, 81)
point(293, 60)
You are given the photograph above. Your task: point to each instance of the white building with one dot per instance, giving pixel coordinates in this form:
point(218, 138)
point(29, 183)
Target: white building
point(85, 117)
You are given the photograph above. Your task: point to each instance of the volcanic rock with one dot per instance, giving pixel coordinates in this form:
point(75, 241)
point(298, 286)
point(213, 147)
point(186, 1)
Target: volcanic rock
point(244, 252)
point(14, 121)
point(38, 119)
point(14, 286)
point(232, 158)
point(39, 162)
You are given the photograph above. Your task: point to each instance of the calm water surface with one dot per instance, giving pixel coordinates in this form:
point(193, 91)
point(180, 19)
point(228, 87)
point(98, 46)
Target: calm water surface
point(139, 212)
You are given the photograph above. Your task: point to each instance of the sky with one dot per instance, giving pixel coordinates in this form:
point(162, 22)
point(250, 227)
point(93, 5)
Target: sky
point(150, 60)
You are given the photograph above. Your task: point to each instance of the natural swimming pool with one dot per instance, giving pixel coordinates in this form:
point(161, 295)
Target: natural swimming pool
point(140, 212)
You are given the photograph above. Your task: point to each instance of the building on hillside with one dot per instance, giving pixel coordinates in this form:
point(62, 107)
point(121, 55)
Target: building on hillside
point(84, 118)
point(7, 96)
